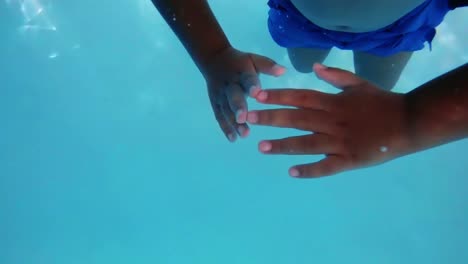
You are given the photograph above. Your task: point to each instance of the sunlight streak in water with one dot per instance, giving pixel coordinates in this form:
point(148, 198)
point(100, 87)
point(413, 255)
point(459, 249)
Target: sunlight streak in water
point(38, 27)
point(34, 15)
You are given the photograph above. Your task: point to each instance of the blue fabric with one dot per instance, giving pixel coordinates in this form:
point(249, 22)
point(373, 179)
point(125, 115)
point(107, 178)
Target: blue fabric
point(290, 29)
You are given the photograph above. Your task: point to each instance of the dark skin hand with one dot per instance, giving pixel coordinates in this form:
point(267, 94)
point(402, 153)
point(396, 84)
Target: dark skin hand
point(230, 74)
point(363, 125)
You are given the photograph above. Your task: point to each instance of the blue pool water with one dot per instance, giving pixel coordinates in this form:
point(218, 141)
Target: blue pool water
point(109, 153)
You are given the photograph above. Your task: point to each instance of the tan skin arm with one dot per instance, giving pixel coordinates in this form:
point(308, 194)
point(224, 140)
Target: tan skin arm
point(438, 110)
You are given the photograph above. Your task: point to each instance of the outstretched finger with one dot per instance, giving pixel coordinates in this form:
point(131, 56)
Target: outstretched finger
point(302, 119)
point(302, 98)
point(250, 84)
point(266, 65)
point(313, 144)
point(227, 129)
point(241, 129)
point(330, 165)
point(339, 78)
point(237, 103)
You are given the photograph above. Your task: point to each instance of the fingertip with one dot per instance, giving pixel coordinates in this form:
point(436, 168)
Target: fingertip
point(252, 117)
point(254, 91)
point(264, 146)
point(278, 70)
point(319, 67)
point(241, 116)
point(262, 96)
point(243, 131)
point(337, 77)
point(231, 137)
point(294, 172)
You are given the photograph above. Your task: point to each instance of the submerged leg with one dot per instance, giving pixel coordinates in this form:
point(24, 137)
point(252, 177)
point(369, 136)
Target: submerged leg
point(382, 71)
point(303, 58)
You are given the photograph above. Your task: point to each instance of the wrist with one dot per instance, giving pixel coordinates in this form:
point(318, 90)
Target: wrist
point(401, 141)
point(206, 64)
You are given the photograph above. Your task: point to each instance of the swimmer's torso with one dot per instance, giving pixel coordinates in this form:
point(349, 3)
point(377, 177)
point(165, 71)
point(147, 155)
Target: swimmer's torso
point(354, 15)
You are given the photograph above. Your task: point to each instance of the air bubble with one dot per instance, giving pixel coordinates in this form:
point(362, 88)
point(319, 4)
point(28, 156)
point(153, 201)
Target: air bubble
point(53, 55)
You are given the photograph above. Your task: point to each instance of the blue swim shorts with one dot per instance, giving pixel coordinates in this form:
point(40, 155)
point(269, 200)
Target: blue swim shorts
point(290, 29)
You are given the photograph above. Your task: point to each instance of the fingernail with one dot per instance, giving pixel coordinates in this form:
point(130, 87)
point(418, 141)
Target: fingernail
point(262, 96)
point(254, 90)
point(278, 69)
point(294, 172)
point(241, 116)
point(252, 117)
point(320, 66)
point(243, 132)
point(231, 137)
point(264, 146)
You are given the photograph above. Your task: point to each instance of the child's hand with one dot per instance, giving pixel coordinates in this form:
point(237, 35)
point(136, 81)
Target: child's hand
point(361, 126)
point(230, 77)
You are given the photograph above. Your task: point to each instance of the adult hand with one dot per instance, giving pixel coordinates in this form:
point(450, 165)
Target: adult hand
point(358, 127)
point(230, 76)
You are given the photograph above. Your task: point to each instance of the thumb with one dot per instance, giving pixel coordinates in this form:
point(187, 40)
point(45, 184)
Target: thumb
point(266, 65)
point(339, 78)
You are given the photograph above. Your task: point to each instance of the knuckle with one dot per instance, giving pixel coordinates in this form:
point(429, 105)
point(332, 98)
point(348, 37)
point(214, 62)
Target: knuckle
point(302, 98)
point(264, 117)
point(282, 146)
point(303, 119)
point(329, 102)
point(348, 152)
point(291, 114)
point(330, 170)
point(345, 146)
point(305, 171)
point(340, 129)
point(307, 143)
point(236, 95)
point(238, 100)
point(327, 169)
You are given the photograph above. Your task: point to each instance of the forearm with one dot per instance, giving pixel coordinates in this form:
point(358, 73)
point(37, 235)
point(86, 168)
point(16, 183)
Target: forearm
point(196, 27)
point(438, 110)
